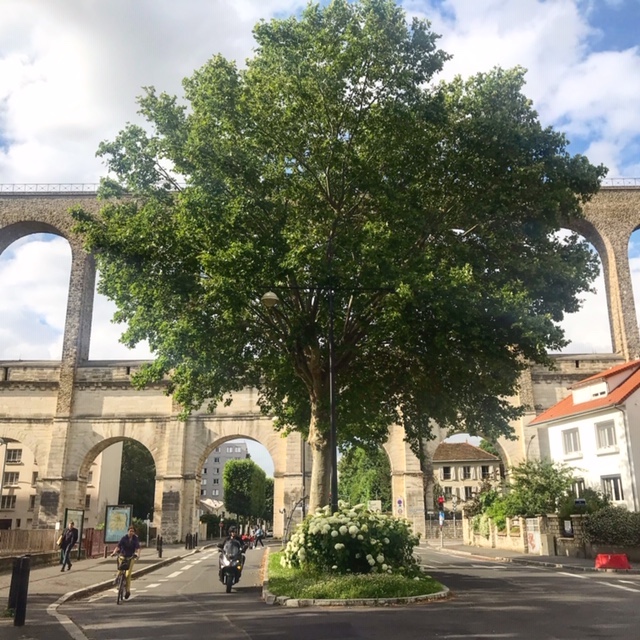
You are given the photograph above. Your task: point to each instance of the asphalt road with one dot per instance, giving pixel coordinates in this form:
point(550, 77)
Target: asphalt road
point(489, 600)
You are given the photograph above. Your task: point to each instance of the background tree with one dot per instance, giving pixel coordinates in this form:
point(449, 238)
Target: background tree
point(244, 488)
point(137, 478)
point(333, 162)
point(267, 514)
point(365, 475)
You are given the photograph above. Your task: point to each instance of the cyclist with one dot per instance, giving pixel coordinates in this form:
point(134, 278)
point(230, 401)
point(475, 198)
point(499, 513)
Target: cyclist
point(129, 548)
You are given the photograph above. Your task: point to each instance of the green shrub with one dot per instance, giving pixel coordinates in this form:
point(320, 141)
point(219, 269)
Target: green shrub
point(613, 526)
point(352, 540)
point(595, 500)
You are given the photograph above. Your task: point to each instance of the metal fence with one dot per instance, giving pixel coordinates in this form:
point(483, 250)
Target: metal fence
point(14, 541)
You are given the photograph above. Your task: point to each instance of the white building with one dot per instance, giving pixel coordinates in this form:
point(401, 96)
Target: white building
point(211, 489)
point(596, 430)
point(460, 468)
point(18, 486)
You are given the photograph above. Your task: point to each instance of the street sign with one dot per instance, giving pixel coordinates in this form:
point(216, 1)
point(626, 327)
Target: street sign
point(441, 517)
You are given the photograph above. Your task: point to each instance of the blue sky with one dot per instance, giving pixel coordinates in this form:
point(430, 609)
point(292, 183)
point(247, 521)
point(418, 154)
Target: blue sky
point(70, 72)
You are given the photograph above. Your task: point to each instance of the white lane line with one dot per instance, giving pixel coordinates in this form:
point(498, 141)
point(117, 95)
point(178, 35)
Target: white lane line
point(153, 586)
point(606, 584)
point(175, 574)
point(619, 586)
point(629, 582)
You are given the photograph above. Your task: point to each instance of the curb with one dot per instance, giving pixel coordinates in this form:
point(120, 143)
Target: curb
point(285, 601)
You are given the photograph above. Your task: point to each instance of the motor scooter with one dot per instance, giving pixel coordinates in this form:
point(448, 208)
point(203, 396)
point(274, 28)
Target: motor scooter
point(230, 563)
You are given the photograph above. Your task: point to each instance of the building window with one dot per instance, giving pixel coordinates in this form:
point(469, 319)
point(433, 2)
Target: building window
point(485, 471)
point(612, 488)
point(14, 456)
point(578, 487)
point(447, 493)
point(468, 493)
point(571, 441)
point(203, 492)
point(217, 470)
point(216, 459)
point(87, 502)
point(34, 478)
point(229, 449)
point(238, 449)
point(204, 471)
point(32, 503)
point(90, 477)
point(606, 434)
point(204, 482)
point(8, 502)
point(11, 478)
point(466, 473)
point(446, 473)
point(216, 481)
point(216, 492)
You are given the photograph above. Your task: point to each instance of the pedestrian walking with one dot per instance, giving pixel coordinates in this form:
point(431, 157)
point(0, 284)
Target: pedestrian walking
point(68, 541)
point(259, 536)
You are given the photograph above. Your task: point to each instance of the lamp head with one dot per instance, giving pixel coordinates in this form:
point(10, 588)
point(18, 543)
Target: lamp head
point(270, 299)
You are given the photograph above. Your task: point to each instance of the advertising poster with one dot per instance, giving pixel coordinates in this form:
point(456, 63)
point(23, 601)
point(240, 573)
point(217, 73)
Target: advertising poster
point(116, 522)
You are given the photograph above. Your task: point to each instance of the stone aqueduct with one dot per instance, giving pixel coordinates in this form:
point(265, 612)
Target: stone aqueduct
point(69, 411)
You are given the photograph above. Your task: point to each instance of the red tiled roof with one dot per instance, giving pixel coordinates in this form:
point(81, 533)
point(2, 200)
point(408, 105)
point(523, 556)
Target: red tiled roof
point(608, 373)
point(566, 408)
point(458, 451)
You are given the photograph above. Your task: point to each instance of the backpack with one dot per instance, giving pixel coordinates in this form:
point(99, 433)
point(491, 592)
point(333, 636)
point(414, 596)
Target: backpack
point(259, 533)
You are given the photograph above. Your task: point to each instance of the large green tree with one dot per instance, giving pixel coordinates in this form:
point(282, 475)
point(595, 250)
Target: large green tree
point(137, 478)
point(365, 474)
point(332, 162)
point(244, 485)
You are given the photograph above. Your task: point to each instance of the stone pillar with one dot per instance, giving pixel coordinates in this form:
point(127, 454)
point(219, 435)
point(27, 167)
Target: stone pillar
point(288, 483)
point(59, 487)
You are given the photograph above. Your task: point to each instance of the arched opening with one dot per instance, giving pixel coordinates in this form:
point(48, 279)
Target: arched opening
point(634, 268)
point(105, 334)
point(119, 471)
point(589, 329)
point(252, 500)
point(34, 287)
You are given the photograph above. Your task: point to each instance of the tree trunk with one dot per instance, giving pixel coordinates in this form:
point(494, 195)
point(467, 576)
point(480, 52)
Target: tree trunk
point(320, 461)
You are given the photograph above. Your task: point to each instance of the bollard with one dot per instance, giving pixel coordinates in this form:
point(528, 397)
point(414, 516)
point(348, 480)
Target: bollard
point(19, 589)
point(159, 546)
point(195, 539)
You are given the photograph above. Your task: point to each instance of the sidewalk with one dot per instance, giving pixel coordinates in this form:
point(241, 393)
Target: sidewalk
point(452, 547)
point(48, 584)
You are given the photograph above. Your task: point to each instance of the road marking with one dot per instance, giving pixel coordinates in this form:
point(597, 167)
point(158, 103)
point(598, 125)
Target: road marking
point(619, 586)
point(175, 574)
point(629, 582)
point(572, 575)
point(153, 586)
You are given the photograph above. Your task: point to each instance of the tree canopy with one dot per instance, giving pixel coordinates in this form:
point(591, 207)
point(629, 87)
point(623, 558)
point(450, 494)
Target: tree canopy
point(365, 475)
point(334, 162)
point(244, 485)
point(137, 478)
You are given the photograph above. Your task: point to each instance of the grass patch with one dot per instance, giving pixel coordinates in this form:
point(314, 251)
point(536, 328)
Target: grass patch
point(296, 583)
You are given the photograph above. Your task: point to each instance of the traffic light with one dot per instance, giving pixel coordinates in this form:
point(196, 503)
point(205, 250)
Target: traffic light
point(441, 503)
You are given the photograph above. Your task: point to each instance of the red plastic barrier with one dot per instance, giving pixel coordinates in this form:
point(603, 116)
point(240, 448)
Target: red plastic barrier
point(612, 561)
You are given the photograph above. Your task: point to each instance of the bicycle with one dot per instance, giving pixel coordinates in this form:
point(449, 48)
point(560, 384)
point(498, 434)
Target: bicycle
point(121, 578)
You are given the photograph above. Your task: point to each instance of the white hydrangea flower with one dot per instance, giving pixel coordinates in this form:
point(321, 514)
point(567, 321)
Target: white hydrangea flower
point(338, 546)
point(343, 530)
point(360, 536)
point(334, 534)
point(385, 567)
point(353, 529)
point(386, 541)
point(380, 559)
